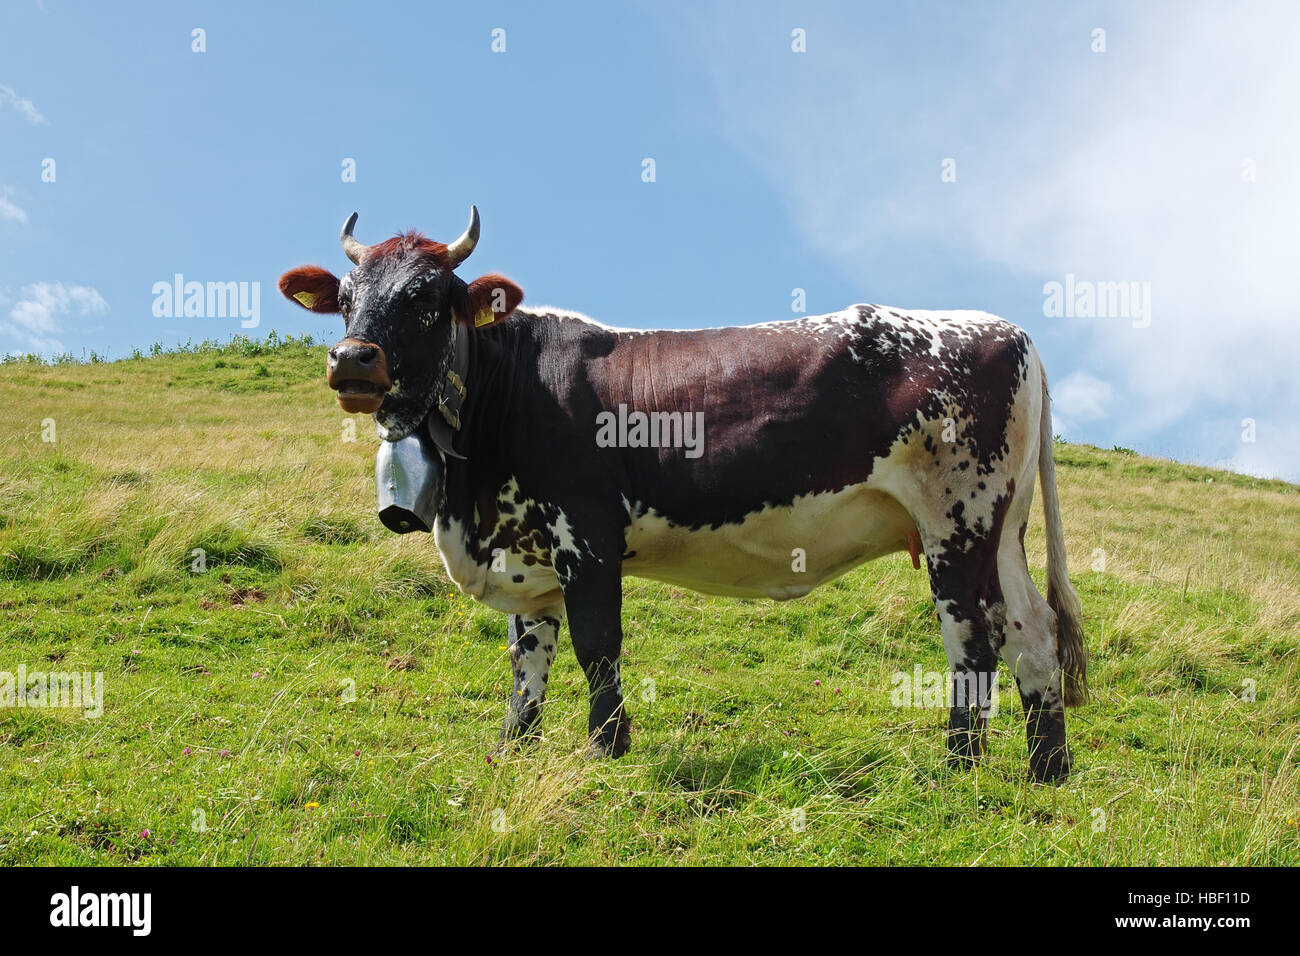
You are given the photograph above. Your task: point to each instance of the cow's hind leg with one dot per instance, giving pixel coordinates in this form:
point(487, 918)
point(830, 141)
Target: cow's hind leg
point(533, 643)
point(1031, 655)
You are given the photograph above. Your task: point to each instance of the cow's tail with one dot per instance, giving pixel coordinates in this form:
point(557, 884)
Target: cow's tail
point(1060, 592)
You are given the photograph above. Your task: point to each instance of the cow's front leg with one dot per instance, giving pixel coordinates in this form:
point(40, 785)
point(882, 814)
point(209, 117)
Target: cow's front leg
point(593, 596)
point(973, 670)
point(972, 664)
point(533, 642)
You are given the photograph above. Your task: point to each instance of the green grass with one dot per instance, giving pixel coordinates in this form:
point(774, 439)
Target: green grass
point(321, 693)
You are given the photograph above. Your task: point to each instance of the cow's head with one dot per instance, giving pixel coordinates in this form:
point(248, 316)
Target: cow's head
point(399, 305)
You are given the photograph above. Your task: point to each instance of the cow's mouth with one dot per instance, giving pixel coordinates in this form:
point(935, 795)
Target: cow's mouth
point(358, 371)
point(358, 395)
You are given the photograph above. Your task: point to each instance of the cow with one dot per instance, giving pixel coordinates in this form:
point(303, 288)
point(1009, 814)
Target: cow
point(575, 453)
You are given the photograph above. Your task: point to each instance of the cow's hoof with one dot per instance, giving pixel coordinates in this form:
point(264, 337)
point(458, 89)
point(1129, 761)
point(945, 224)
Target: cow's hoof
point(1052, 768)
point(514, 744)
point(962, 762)
point(610, 745)
point(599, 751)
point(965, 748)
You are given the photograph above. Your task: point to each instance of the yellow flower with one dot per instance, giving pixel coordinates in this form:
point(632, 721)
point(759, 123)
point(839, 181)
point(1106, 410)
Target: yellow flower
point(313, 805)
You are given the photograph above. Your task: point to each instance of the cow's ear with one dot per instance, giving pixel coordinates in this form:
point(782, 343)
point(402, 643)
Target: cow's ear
point(312, 288)
point(487, 300)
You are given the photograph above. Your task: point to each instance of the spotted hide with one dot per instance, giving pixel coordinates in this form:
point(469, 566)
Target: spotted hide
point(778, 456)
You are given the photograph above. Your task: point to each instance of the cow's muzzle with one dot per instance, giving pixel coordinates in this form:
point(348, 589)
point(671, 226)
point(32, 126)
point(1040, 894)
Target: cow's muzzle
point(358, 371)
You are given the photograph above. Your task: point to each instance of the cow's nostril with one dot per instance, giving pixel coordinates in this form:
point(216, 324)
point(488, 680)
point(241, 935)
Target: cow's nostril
point(334, 354)
point(367, 355)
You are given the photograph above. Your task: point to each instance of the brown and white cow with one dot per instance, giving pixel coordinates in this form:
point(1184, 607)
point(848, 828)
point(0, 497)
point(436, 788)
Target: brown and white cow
point(846, 436)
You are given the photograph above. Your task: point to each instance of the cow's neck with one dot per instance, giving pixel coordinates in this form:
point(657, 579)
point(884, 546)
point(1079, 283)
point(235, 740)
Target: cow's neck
point(489, 355)
point(486, 359)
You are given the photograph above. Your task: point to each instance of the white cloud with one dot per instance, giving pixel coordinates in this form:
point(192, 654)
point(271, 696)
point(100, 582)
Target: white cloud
point(1116, 166)
point(1079, 397)
point(35, 319)
point(11, 211)
point(25, 106)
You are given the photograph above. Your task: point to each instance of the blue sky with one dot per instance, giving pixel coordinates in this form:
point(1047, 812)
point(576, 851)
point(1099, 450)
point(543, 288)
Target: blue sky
point(1168, 159)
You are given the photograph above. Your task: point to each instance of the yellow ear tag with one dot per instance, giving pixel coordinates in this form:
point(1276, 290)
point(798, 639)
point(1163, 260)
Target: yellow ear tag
point(308, 299)
point(486, 317)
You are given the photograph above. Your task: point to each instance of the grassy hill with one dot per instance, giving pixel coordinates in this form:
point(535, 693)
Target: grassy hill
point(321, 693)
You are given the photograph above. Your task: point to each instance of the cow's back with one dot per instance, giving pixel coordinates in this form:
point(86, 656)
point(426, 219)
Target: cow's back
point(803, 407)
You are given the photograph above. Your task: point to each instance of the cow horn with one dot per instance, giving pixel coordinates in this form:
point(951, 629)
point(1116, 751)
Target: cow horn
point(459, 250)
point(351, 247)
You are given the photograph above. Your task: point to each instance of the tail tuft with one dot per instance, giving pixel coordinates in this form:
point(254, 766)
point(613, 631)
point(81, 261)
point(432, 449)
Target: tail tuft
point(1069, 645)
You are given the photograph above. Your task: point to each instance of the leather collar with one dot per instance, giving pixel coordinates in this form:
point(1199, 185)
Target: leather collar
point(444, 420)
